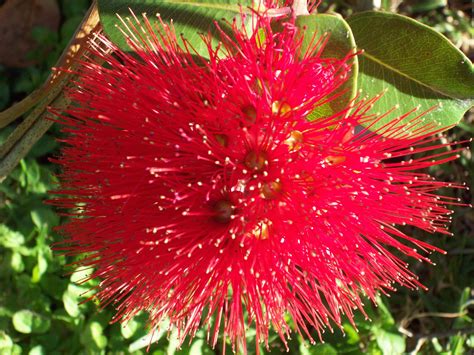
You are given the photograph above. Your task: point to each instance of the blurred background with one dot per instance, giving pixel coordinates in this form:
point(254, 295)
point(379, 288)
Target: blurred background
point(40, 310)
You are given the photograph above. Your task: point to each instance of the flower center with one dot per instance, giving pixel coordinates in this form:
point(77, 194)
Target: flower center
point(255, 160)
point(222, 139)
point(280, 108)
point(223, 211)
point(262, 229)
point(250, 114)
point(271, 190)
point(335, 159)
point(294, 141)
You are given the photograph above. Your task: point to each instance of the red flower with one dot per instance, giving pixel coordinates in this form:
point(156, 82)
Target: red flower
point(204, 194)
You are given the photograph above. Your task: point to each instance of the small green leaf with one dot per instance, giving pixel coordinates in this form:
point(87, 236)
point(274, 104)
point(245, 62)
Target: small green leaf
point(390, 343)
point(385, 315)
point(80, 274)
point(190, 18)
point(151, 337)
point(9, 238)
point(5, 340)
point(352, 335)
point(53, 286)
point(40, 268)
point(71, 304)
point(14, 350)
point(340, 44)
point(16, 262)
point(129, 328)
point(26, 321)
point(31, 173)
point(417, 66)
point(425, 5)
point(318, 349)
point(93, 337)
point(37, 350)
point(44, 218)
point(199, 347)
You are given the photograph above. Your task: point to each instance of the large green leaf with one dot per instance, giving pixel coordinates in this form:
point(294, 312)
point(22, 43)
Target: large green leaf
point(415, 64)
point(191, 18)
point(340, 44)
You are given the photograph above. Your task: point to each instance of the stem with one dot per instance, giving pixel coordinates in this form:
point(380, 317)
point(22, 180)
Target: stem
point(35, 125)
point(28, 122)
point(299, 7)
point(18, 109)
point(37, 130)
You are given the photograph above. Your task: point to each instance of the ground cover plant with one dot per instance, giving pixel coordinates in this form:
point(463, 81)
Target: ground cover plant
point(40, 302)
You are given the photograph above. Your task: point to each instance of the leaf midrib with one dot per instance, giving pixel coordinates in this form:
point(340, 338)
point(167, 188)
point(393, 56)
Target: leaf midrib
point(383, 64)
point(233, 8)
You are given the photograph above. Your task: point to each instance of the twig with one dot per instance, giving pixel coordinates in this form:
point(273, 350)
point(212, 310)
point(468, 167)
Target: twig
point(35, 125)
point(436, 314)
point(18, 109)
point(28, 122)
point(31, 136)
point(445, 334)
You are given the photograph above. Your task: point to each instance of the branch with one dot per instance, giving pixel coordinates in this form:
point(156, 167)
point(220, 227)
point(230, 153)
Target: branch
point(35, 125)
point(445, 334)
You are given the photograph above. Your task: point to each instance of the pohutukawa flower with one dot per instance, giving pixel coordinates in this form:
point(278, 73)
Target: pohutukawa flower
point(203, 194)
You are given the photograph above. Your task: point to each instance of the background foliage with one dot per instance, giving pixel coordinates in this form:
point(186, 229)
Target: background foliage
point(40, 310)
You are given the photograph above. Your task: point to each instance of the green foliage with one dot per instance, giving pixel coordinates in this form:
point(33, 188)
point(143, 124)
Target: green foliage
point(414, 66)
point(41, 309)
point(190, 18)
point(341, 43)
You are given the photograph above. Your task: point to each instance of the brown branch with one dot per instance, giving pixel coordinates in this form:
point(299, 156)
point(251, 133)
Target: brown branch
point(35, 125)
point(445, 334)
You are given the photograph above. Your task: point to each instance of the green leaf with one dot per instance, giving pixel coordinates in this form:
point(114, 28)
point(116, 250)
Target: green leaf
point(385, 315)
point(16, 262)
point(417, 66)
point(151, 337)
point(31, 173)
point(352, 335)
point(129, 328)
point(71, 304)
point(390, 343)
point(425, 5)
point(80, 274)
point(40, 268)
point(9, 238)
point(341, 43)
point(5, 341)
point(93, 337)
point(319, 349)
point(53, 285)
point(14, 350)
point(44, 218)
point(26, 321)
point(190, 18)
point(37, 350)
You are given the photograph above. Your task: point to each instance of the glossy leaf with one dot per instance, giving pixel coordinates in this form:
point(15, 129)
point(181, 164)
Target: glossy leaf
point(93, 337)
point(190, 18)
point(26, 321)
point(389, 342)
point(340, 44)
point(417, 66)
point(9, 238)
